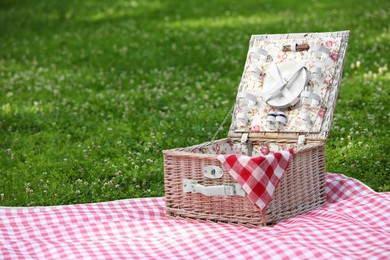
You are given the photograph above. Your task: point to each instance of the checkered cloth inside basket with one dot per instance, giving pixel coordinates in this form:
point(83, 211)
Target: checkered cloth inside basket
point(258, 176)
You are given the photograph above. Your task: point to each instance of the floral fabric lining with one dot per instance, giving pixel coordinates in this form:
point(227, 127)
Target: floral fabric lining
point(229, 146)
point(298, 115)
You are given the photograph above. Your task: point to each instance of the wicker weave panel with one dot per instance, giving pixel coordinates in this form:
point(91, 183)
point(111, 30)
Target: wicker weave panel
point(301, 189)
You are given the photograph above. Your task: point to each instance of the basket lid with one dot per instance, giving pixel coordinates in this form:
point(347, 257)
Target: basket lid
point(289, 85)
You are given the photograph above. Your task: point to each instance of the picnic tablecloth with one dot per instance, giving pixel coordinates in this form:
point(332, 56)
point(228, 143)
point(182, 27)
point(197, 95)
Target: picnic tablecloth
point(354, 224)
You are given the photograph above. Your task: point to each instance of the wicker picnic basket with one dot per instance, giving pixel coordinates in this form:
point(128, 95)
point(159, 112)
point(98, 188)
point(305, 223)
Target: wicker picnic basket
point(285, 99)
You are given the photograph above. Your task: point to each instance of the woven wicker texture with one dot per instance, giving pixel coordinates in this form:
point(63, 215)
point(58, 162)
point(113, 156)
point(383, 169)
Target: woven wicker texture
point(301, 189)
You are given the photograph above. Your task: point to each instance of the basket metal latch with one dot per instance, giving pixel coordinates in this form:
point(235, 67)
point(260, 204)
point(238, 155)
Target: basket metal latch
point(245, 140)
point(212, 172)
point(301, 141)
point(231, 189)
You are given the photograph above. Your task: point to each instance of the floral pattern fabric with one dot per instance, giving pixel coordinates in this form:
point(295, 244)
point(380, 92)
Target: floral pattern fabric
point(229, 146)
point(249, 116)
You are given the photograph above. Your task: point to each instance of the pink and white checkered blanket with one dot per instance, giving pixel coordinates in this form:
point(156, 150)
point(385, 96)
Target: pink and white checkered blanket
point(354, 224)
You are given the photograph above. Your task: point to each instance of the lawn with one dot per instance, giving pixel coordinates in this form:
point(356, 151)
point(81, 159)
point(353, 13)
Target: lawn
point(92, 91)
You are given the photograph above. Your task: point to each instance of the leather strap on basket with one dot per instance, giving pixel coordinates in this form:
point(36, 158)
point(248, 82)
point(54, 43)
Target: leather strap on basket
point(258, 176)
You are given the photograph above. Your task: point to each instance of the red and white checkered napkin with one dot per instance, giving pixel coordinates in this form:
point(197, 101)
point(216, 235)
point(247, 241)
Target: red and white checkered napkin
point(258, 176)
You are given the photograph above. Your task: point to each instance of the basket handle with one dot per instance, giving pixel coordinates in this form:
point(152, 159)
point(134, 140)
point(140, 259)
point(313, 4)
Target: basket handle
point(233, 189)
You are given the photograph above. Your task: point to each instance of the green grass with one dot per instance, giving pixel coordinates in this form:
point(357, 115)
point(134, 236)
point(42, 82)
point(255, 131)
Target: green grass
point(92, 91)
